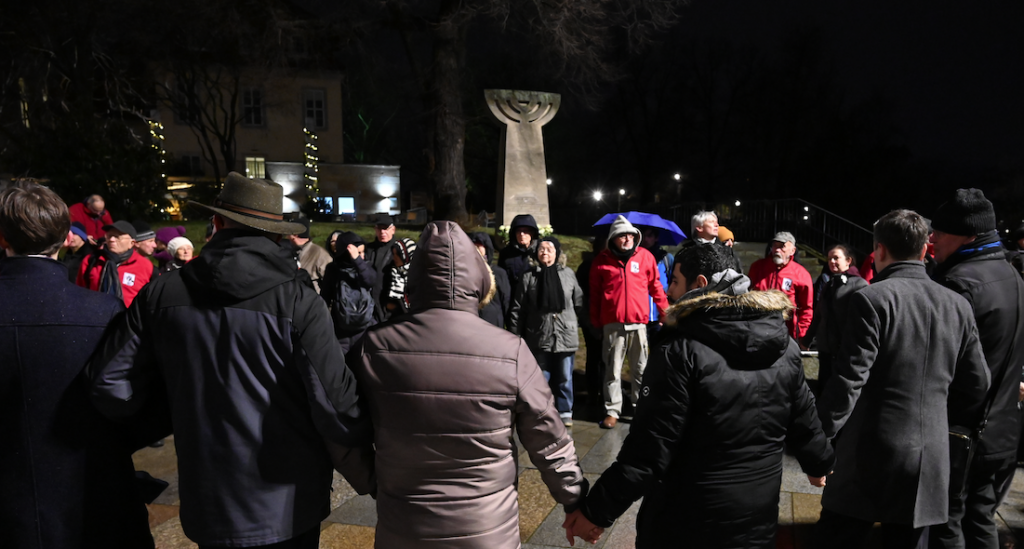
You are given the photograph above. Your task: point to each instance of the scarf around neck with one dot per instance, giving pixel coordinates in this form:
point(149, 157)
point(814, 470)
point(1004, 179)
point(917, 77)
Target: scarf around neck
point(110, 280)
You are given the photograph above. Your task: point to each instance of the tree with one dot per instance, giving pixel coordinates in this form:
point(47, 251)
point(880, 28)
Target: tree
point(70, 110)
point(579, 43)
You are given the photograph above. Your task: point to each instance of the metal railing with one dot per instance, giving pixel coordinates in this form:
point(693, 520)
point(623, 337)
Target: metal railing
point(759, 221)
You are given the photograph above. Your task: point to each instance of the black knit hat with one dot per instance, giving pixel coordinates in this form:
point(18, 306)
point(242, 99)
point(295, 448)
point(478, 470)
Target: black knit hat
point(968, 214)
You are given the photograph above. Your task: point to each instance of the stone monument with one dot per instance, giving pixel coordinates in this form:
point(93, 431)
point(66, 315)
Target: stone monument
point(522, 177)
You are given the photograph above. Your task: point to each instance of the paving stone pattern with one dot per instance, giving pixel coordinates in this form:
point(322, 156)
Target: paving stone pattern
point(353, 517)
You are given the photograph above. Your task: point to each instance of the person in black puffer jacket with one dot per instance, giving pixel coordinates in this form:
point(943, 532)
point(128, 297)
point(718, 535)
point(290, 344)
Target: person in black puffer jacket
point(723, 394)
point(495, 312)
point(972, 262)
point(523, 235)
point(349, 267)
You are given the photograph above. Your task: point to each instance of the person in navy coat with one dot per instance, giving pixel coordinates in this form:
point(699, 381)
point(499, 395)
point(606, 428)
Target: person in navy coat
point(66, 473)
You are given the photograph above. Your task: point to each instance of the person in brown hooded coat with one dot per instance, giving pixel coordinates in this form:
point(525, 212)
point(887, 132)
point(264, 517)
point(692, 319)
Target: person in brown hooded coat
point(446, 391)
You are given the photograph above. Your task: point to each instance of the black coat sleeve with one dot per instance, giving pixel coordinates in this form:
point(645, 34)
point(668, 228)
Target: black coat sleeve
point(657, 428)
point(804, 435)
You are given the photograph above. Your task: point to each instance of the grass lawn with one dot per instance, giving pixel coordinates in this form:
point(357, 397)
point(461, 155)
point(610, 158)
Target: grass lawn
point(573, 246)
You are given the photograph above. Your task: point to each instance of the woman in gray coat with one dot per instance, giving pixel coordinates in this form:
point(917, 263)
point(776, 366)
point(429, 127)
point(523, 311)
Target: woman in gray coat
point(544, 312)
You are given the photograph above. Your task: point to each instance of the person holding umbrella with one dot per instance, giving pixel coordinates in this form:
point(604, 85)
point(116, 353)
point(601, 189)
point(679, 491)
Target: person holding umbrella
point(621, 279)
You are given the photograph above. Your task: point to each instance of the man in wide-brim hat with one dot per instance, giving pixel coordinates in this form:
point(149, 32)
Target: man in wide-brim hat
point(257, 384)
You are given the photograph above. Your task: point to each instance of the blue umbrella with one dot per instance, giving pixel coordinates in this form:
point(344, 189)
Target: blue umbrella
point(669, 234)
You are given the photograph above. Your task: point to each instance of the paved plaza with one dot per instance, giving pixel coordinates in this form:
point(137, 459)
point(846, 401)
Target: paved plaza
point(352, 520)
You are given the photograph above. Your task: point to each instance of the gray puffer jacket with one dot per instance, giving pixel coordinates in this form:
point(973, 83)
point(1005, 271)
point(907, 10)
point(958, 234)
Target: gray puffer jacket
point(446, 390)
point(548, 332)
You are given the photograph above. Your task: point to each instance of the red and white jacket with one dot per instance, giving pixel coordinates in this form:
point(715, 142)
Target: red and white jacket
point(134, 273)
point(619, 290)
point(793, 280)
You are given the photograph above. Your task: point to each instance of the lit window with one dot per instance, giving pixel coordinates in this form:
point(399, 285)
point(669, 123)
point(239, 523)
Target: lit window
point(256, 167)
point(314, 108)
point(393, 205)
point(252, 107)
point(346, 205)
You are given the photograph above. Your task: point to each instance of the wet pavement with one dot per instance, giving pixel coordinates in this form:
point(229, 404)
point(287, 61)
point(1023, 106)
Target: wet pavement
point(353, 517)
point(352, 520)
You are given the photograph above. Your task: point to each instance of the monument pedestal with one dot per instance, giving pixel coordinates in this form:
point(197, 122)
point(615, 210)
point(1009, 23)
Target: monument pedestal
point(522, 177)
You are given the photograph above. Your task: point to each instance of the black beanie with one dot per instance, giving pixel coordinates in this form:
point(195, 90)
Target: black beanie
point(968, 214)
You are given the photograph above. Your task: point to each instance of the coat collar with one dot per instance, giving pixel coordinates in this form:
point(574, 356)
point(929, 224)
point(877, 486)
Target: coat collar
point(902, 269)
point(21, 266)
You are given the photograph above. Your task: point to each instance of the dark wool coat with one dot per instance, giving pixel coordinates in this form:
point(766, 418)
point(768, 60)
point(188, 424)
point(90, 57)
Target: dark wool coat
point(357, 274)
point(831, 310)
point(496, 311)
point(256, 382)
point(378, 255)
point(66, 473)
point(910, 358)
point(446, 390)
point(995, 291)
point(723, 393)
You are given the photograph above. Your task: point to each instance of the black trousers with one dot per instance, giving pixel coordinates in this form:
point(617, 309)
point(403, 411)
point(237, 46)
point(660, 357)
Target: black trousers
point(307, 540)
point(972, 519)
point(595, 368)
point(836, 531)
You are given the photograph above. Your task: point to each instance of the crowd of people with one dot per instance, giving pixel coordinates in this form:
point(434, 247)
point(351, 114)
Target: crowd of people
point(408, 365)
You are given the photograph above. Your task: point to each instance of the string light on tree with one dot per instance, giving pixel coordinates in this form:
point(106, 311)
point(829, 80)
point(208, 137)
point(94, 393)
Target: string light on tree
point(312, 170)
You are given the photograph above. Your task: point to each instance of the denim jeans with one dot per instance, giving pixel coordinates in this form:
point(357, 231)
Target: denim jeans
point(557, 368)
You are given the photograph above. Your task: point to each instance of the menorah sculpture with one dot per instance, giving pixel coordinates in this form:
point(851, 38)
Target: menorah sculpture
point(522, 179)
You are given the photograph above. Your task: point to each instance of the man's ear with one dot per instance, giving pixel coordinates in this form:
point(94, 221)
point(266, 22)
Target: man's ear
point(700, 282)
point(924, 252)
point(67, 239)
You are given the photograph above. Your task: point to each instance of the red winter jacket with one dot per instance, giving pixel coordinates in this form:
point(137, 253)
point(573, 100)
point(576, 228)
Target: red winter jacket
point(134, 273)
point(93, 223)
point(620, 294)
point(793, 280)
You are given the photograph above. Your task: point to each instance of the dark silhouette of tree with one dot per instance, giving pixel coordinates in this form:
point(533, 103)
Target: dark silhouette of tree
point(581, 43)
point(70, 108)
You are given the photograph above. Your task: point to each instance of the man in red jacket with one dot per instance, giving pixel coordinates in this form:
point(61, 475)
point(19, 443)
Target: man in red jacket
point(93, 215)
point(780, 272)
point(622, 278)
point(117, 269)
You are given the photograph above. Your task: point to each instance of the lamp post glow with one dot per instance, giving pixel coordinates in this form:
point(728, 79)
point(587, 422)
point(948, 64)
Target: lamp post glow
point(622, 192)
point(548, 181)
point(597, 196)
point(737, 203)
point(677, 177)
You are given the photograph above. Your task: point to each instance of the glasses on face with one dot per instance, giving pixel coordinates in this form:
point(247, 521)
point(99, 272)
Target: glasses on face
point(117, 236)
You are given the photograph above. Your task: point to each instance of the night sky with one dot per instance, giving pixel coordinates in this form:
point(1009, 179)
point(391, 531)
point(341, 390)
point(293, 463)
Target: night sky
point(953, 71)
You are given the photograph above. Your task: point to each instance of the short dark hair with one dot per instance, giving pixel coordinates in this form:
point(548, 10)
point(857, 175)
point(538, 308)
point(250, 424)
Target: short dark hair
point(33, 219)
point(702, 259)
point(903, 232)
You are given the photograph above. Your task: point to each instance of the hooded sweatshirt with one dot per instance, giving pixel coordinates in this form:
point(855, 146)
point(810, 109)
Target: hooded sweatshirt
point(620, 282)
point(256, 382)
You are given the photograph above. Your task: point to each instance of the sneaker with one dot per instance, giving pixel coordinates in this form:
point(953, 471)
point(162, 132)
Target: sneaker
point(157, 444)
point(608, 422)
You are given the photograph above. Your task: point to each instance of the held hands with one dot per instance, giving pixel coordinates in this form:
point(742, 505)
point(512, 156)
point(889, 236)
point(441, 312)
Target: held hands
point(577, 525)
point(818, 481)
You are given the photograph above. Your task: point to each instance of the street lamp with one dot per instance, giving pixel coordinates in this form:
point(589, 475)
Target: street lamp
point(737, 203)
point(597, 196)
point(677, 177)
point(622, 192)
point(549, 181)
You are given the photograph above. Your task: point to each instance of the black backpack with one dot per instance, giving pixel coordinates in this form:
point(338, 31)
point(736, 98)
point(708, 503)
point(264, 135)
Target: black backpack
point(352, 309)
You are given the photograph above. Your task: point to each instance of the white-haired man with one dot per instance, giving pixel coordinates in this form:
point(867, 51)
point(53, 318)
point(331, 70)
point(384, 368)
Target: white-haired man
point(704, 230)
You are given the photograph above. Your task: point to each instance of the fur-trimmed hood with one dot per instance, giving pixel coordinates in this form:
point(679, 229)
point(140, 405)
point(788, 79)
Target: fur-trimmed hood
point(749, 330)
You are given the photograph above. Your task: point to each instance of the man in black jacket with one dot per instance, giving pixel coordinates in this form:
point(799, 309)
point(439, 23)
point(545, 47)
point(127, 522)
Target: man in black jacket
point(909, 366)
point(722, 395)
point(66, 473)
point(259, 393)
point(378, 254)
point(971, 262)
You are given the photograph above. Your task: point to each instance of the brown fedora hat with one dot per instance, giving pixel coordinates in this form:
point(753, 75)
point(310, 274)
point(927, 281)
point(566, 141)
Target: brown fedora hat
point(256, 203)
